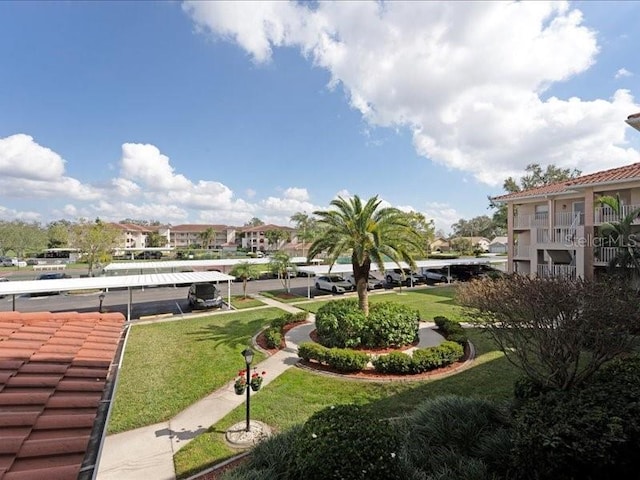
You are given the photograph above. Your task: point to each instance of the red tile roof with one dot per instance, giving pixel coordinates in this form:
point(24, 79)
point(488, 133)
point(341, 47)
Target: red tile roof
point(266, 228)
point(613, 175)
point(54, 368)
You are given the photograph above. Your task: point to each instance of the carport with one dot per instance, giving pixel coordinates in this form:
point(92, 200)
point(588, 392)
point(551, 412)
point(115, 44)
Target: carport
point(105, 283)
point(176, 265)
point(420, 264)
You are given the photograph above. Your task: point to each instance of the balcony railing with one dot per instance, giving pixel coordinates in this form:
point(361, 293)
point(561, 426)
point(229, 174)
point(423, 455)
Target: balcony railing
point(521, 251)
point(604, 255)
point(542, 235)
point(568, 219)
point(606, 214)
point(548, 271)
point(528, 221)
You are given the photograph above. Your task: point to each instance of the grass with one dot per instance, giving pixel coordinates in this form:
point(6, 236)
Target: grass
point(282, 296)
point(169, 366)
point(239, 302)
point(297, 394)
point(430, 302)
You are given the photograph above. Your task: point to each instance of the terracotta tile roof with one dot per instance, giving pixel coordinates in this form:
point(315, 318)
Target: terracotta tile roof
point(197, 228)
point(266, 228)
point(132, 227)
point(54, 369)
point(613, 175)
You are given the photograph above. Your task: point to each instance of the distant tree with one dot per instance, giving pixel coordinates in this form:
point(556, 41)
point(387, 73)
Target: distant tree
point(558, 331)
point(535, 177)
point(462, 245)
point(370, 234)
point(58, 233)
point(280, 265)
point(22, 237)
point(245, 271)
point(154, 240)
point(254, 222)
point(425, 228)
point(482, 226)
point(207, 237)
point(142, 223)
point(274, 237)
point(95, 241)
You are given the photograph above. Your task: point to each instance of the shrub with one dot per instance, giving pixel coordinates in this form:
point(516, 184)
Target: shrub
point(340, 323)
point(591, 432)
point(288, 318)
point(346, 360)
point(273, 337)
point(312, 351)
point(440, 321)
point(348, 442)
point(457, 437)
point(425, 359)
point(394, 362)
point(390, 325)
point(272, 458)
point(449, 352)
point(451, 330)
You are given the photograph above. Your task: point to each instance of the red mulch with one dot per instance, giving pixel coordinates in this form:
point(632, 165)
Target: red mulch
point(262, 343)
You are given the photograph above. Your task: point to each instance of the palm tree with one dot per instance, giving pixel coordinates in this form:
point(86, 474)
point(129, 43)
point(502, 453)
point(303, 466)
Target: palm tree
point(370, 234)
point(245, 271)
point(280, 265)
point(207, 236)
point(620, 233)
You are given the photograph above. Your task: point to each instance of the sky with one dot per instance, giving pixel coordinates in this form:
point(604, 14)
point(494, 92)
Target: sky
point(218, 112)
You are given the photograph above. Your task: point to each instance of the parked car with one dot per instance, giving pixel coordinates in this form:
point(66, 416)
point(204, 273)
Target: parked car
point(153, 255)
point(333, 283)
point(436, 275)
point(204, 295)
point(372, 283)
point(404, 276)
point(50, 276)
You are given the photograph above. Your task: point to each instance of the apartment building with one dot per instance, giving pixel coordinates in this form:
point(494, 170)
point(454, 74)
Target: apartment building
point(183, 236)
point(132, 235)
point(256, 238)
point(554, 230)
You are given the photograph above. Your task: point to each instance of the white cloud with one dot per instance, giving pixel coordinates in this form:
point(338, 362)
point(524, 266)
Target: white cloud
point(623, 72)
point(468, 79)
point(10, 214)
point(442, 214)
point(295, 193)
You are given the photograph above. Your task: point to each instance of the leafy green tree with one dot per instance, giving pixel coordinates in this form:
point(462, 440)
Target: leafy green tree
point(306, 226)
point(535, 177)
point(481, 226)
point(154, 240)
point(280, 265)
point(424, 227)
point(58, 233)
point(22, 237)
point(95, 241)
point(620, 235)
point(369, 233)
point(254, 222)
point(245, 271)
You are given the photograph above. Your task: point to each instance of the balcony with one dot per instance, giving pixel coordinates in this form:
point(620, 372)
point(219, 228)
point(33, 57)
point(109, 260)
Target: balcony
point(554, 271)
point(604, 255)
point(606, 214)
point(531, 221)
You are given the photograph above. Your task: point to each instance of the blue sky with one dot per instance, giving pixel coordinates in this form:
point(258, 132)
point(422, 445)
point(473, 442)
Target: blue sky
point(219, 112)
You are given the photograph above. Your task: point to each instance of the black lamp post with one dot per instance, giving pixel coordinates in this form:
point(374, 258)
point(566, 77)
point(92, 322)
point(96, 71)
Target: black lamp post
point(101, 298)
point(248, 358)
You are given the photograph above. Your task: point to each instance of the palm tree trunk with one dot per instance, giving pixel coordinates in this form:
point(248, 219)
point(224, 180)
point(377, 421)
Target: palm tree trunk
point(361, 277)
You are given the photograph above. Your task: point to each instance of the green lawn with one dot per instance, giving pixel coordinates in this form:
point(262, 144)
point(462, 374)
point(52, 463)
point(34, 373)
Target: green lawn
point(239, 302)
point(297, 394)
point(282, 296)
point(169, 366)
point(430, 302)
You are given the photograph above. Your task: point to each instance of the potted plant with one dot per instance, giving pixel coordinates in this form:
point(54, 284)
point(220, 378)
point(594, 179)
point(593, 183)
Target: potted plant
point(241, 382)
point(256, 380)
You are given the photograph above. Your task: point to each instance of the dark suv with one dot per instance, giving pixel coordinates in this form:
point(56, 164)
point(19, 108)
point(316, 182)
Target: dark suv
point(204, 295)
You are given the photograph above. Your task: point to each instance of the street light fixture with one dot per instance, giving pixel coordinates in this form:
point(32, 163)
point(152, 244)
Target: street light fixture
point(247, 353)
point(101, 298)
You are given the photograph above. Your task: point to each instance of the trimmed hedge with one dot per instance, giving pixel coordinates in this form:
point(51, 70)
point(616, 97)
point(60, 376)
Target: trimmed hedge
point(422, 360)
point(341, 359)
point(273, 335)
point(451, 330)
point(342, 324)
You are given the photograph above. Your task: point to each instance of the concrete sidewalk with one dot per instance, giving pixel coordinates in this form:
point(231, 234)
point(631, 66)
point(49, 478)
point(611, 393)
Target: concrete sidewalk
point(147, 453)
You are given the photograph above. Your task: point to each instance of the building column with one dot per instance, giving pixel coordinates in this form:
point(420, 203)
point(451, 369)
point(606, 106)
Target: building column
point(510, 238)
point(589, 231)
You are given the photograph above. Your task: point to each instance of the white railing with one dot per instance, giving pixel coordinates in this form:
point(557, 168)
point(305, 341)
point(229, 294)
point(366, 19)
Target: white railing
point(604, 255)
point(547, 271)
point(565, 219)
point(564, 235)
point(606, 214)
point(542, 235)
point(528, 221)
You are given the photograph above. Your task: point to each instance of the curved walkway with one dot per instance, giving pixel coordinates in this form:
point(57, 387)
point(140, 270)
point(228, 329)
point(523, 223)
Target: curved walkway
point(147, 452)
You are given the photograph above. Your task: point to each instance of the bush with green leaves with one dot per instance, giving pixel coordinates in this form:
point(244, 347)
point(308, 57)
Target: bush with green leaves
point(273, 337)
point(451, 330)
point(592, 432)
point(342, 359)
point(313, 351)
point(425, 359)
point(454, 437)
point(272, 458)
point(288, 318)
point(390, 325)
point(394, 363)
point(342, 324)
point(348, 442)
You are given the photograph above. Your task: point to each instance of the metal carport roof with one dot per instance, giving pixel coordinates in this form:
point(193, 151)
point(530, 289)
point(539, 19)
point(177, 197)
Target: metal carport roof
point(117, 281)
point(175, 264)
